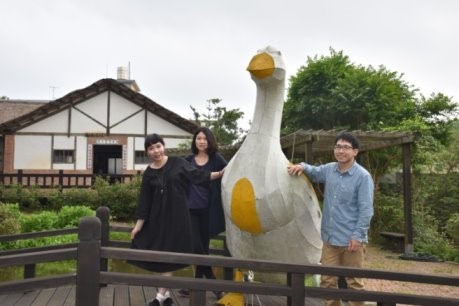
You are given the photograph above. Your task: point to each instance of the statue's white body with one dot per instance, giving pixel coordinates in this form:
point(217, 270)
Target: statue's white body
point(269, 214)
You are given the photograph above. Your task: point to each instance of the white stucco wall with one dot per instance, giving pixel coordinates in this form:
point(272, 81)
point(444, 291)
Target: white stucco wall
point(173, 142)
point(156, 124)
point(96, 107)
point(130, 154)
point(32, 152)
point(58, 166)
point(83, 124)
point(64, 143)
point(139, 145)
point(133, 125)
point(54, 124)
point(81, 153)
point(121, 108)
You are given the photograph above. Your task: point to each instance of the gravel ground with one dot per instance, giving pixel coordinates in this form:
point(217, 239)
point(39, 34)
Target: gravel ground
point(379, 259)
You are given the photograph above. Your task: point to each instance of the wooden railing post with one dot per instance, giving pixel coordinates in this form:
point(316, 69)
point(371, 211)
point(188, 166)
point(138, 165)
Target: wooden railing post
point(228, 273)
point(29, 271)
point(296, 282)
point(198, 298)
point(88, 262)
point(19, 177)
point(103, 213)
point(61, 177)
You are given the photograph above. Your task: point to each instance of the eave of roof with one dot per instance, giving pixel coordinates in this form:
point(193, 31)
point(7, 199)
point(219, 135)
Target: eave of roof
point(81, 95)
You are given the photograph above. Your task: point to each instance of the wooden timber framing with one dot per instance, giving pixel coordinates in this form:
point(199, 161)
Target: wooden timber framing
point(322, 141)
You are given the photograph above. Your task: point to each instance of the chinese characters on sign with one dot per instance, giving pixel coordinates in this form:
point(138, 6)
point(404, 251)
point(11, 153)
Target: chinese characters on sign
point(89, 156)
point(107, 141)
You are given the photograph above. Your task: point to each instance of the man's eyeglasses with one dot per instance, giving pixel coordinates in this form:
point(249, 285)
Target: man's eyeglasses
point(345, 147)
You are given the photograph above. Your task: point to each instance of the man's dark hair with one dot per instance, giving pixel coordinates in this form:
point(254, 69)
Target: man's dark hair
point(349, 137)
point(152, 139)
point(212, 146)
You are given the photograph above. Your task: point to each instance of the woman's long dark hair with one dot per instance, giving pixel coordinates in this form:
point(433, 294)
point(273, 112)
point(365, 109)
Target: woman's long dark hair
point(212, 146)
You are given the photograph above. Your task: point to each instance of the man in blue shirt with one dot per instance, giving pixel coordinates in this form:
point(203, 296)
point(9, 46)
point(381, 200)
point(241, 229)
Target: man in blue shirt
point(347, 210)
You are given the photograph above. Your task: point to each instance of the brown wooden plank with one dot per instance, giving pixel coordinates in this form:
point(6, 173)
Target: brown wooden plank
point(27, 298)
point(136, 296)
point(44, 296)
point(12, 298)
point(2, 297)
point(121, 295)
point(106, 295)
point(70, 301)
point(59, 296)
point(149, 293)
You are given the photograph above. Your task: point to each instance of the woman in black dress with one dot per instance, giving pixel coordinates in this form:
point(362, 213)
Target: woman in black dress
point(163, 220)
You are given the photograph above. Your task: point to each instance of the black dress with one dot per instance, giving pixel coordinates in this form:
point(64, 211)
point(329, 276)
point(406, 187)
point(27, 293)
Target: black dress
point(163, 206)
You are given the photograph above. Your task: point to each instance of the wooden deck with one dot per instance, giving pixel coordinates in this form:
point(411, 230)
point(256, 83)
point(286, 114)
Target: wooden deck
point(124, 295)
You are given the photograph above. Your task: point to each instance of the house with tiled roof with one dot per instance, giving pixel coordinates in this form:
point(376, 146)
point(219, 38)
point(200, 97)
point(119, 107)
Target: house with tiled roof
point(99, 129)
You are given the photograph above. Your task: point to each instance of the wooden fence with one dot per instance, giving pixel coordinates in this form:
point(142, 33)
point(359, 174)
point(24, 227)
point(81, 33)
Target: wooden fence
point(60, 179)
point(95, 248)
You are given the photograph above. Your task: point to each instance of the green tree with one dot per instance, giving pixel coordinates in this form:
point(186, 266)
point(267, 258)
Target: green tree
point(222, 121)
point(330, 92)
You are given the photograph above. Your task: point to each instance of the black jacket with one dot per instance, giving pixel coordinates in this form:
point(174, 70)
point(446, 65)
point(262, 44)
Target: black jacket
point(216, 216)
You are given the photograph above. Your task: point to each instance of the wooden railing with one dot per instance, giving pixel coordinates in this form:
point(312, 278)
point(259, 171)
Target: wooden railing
point(60, 179)
point(95, 248)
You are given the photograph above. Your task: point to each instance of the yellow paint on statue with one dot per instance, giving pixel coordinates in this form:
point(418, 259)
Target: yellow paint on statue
point(261, 65)
point(243, 208)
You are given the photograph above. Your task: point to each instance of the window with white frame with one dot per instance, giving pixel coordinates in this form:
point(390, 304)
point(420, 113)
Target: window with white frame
point(141, 157)
point(63, 156)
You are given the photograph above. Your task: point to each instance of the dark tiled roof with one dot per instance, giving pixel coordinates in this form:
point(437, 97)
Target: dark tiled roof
point(11, 109)
point(81, 95)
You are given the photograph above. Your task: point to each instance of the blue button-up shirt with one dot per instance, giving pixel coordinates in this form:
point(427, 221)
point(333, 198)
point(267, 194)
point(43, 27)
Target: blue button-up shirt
point(348, 202)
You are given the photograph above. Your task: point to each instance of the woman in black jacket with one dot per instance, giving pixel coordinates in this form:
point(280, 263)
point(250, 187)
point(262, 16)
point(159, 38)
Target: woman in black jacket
point(206, 211)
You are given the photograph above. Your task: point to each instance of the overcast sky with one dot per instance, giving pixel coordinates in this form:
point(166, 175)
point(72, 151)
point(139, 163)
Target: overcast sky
point(183, 53)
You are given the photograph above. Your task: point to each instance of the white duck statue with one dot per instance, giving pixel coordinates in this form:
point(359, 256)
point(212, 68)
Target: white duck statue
point(269, 214)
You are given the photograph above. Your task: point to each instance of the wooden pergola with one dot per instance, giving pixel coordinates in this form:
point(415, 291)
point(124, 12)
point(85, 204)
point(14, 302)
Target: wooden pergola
point(305, 144)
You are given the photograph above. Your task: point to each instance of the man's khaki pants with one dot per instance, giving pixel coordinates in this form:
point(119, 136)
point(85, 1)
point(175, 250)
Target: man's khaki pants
point(340, 256)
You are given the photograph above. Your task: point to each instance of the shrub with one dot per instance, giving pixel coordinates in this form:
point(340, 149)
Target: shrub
point(9, 219)
point(79, 197)
point(26, 197)
point(47, 220)
point(452, 228)
point(428, 240)
point(120, 198)
point(388, 215)
point(35, 222)
point(69, 216)
point(9, 222)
